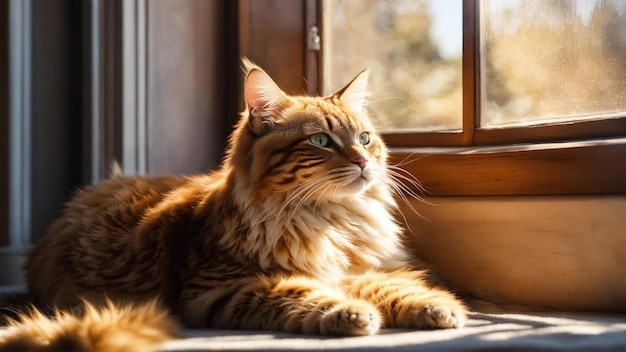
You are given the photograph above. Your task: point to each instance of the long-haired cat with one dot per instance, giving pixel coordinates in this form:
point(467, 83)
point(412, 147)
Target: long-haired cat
point(295, 232)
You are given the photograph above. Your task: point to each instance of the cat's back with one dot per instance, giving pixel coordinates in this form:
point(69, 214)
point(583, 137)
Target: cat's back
point(114, 204)
point(93, 230)
point(124, 188)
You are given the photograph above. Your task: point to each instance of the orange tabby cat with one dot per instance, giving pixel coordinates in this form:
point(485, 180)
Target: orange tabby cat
point(295, 232)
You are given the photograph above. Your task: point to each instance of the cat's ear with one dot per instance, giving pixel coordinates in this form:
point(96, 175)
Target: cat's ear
point(355, 94)
point(263, 98)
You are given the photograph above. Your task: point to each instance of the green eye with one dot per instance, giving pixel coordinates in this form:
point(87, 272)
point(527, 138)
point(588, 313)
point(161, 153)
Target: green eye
point(364, 138)
point(319, 140)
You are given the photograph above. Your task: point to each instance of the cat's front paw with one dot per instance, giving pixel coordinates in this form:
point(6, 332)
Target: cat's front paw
point(434, 313)
point(442, 317)
point(353, 318)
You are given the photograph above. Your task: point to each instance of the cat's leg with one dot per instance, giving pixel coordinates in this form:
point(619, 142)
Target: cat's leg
point(407, 300)
point(292, 304)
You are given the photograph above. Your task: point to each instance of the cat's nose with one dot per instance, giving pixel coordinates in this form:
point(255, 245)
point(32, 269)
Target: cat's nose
point(361, 162)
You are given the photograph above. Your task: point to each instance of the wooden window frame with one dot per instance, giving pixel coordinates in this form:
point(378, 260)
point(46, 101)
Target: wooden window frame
point(566, 158)
point(473, 135)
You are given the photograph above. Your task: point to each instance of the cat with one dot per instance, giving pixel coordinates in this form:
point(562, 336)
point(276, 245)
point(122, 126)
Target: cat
point(296, 231)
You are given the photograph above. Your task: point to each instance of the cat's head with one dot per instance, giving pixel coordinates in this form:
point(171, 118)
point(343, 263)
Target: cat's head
point(315, 147)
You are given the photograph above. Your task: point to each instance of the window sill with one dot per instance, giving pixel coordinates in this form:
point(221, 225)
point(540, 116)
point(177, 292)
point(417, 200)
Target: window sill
point(591, 167)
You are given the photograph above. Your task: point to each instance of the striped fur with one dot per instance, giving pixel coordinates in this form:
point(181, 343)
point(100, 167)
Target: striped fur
point(295, 232)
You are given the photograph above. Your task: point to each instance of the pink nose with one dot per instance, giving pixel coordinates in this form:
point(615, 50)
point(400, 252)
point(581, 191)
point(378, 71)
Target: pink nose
point(361, 162)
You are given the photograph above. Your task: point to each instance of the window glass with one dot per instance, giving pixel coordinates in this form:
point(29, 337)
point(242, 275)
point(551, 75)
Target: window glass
point(413, 49)
point(545, 61)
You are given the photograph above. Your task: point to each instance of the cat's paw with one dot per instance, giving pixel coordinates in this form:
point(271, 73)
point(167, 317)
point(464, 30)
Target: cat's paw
point(353, 318)
point(434, 313)
point(444, 316)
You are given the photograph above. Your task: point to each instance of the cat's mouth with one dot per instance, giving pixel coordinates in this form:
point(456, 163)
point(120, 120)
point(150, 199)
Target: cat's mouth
point(357, 185)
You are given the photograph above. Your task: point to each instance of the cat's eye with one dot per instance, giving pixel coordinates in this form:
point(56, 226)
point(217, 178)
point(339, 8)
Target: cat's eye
point(364, 138)
point(319, 140)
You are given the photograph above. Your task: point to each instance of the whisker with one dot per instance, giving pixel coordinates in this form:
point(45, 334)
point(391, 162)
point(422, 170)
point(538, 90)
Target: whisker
point(301, 189)
point(409, 177)
point(303, 192)
point(400, 182)
point(398, 178)
point(303, 199)
point(406, 221)
point(408, 160)
point(319, 197)
point(301, 195)
point(400, 190)
point(402, 194)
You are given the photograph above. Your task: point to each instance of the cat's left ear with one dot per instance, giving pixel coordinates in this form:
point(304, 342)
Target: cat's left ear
point(263, 98)
point(355, 94)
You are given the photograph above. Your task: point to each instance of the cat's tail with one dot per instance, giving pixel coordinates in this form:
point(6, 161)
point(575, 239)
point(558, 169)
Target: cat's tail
point(12, 304)
point(108, 328)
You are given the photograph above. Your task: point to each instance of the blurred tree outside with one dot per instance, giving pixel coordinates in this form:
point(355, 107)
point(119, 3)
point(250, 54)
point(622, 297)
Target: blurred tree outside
point(540, 60)
point(552, 60)
point(413, 86)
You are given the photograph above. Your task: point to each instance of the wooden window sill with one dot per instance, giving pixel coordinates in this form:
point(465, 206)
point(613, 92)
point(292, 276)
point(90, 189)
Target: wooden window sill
point(567, 168)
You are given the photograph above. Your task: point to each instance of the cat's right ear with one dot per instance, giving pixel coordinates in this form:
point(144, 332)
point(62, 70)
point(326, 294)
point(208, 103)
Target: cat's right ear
point(263, 99)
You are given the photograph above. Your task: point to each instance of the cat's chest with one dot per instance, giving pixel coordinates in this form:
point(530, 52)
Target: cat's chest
point(327, 240)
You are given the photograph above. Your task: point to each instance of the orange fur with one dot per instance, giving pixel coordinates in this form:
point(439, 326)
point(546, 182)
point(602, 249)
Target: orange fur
point(110, 328)
point(295, 232)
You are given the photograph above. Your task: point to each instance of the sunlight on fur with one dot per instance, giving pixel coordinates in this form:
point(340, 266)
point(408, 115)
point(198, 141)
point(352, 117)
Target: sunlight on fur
point(110, 328)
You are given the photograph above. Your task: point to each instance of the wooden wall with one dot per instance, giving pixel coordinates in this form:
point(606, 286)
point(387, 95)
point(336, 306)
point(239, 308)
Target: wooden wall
point(565, 253)
point(184, 86)
point(153, 85)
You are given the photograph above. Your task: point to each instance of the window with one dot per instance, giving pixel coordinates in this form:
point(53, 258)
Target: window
point(511, 98)
point(551, 61)
point(413, 49)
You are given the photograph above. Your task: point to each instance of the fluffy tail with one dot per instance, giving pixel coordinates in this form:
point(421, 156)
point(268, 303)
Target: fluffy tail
point(109, 328)
point(12, 305)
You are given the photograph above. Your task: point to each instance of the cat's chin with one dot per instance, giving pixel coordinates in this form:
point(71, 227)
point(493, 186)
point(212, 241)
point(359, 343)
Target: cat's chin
point(356, 186)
